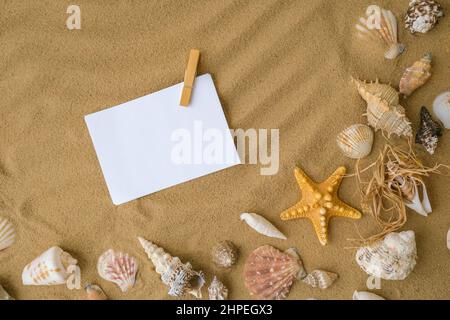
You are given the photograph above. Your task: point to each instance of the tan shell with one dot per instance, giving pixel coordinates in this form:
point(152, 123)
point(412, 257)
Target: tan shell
point(416, 75)
point(384, 111)
point(364, 295)
point(119, 268)
point(224, 254)
point(356, 141)
point(7, 234)
point(380, 27)
point(217, 290)
point(320, 279)
point(94, 292)
point(4, 295)
point(270, 273)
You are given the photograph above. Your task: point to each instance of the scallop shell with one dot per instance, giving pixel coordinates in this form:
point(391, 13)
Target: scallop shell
point(381, 27)
point(392, 258)
point(262, 225)
point(217, 290)
point(441, 108)
point(320, 279)
point(356, 141)
point(94, 292)
point(364, 295)
point(119, 268)
point(4, 295)
point(224, 254)
point(53, 267)
point(180, 278)
point(429, 131)
point(270, 273)
point(422, 15)
point(7, 233)
point(384, 111)
point(416, 75)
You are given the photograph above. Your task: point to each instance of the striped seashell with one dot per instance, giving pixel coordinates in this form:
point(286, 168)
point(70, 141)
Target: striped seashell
point(356, 141)
point(7, 233)
point(119, 268)
point(320, 279)
point(416, 75)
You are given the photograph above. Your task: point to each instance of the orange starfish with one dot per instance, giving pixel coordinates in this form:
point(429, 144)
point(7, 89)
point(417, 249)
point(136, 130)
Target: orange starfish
point(320, 203)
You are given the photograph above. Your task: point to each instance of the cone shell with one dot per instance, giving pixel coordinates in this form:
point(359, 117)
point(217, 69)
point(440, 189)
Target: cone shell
point(94, 292)
point(4, 295)
point(7, 233)
point(119, 268)
point(320, 279)
point(262, 225)
point(50, 268)
point(423, 15)
point(429, 131)
point(364, 295)
point(270, 273)
point(416, 75)
point(217, 290)
point(384, 111)
point(380, 27)
point(392, 258)
point(224, 254)
point(441, 108)
point(179, 277)
point(356, 141)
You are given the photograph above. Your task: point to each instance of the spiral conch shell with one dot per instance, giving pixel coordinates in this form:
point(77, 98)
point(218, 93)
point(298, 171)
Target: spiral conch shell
point(180, 278)
point(119, 268)
point(416, 75)
point(392, 258)
point(224, 254)
point(217, 290)
point(356, 141)
point(383, 108)
point(53, 267)
point(7, 234)
point(423, 15)
point(381, 27)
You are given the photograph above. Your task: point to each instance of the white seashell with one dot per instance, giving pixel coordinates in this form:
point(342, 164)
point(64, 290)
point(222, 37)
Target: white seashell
point(217, 290)
point(448, 239)
point(441, 108)
point(392, 258)
point(53, 267)
point(119, 268)
point(422, 207)
point(4, 295)
point(7, 233)
point(320, 279)
point(364, 295)
point(262, 225)
point(356, 141)
point(180, 278)
point(381, 27)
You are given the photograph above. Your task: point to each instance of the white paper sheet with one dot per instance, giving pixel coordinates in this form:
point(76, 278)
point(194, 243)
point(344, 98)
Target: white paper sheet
point(143, 145)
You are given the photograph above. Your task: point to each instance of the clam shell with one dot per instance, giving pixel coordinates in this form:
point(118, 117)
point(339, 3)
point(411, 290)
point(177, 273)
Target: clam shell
point(364, 295)
point(356, 141)
point(270, 273)
point(224, 254)
point(380, 27)
point(7, 234)
point(320, 279)
point(441, 108)
point(262, 225)
point(4, 295)
point(392, 258)
point(416, 75)
point(217, 290)
point(119, 268)
point(422, 15)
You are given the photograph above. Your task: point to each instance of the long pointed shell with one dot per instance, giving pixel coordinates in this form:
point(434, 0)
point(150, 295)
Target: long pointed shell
point(320, 279)
point(364, 295)
point(4, 295)
point(262, 225)
point(392, 258)
point(119, 268)
point(7, 234)
point(429, 131)
point(356, 141)
point(270, 273)
point(441, 108)
point(224, 254)
point(180, 278)
point(94, 292)
point(384, 111)
point(381, 27)
point(217, 290)
point(416, 75)
point(53, 267)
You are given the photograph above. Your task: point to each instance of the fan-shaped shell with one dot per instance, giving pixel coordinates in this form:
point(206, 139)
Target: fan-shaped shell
point(217, 290)
point(119, 268)
point(270, 273)
point(7, 233)
point(224, 254)
point(356, 141)
point(320, 279)
point(416, 75)
point(380, 27)
point(384, 111)
point(423, 15)
point(441, 108)
point(392, 258)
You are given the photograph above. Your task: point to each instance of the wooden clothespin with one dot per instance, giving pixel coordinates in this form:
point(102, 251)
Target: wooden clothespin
point(189, 77)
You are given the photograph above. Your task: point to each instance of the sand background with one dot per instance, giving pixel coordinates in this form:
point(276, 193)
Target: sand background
point(276, 64)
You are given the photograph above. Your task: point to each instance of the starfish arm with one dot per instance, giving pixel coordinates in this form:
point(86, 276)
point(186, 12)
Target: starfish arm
point(344, 210)
point(298, 211)
point(304, 182)
point(321, 229)
point(334, 181)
